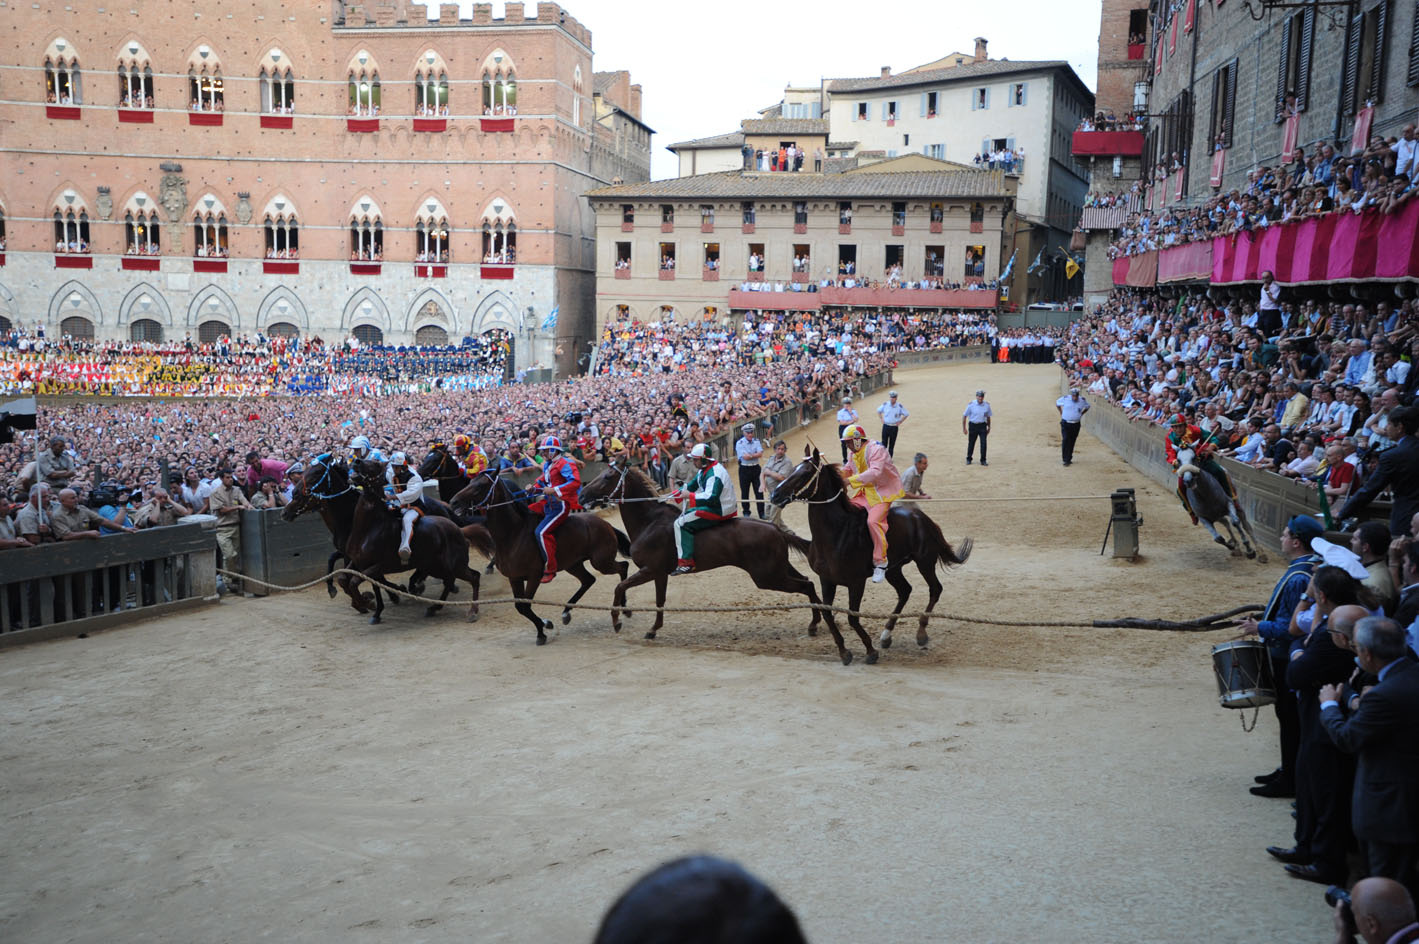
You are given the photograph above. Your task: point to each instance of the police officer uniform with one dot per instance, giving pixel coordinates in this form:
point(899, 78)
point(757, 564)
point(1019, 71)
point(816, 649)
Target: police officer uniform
point(976, 420)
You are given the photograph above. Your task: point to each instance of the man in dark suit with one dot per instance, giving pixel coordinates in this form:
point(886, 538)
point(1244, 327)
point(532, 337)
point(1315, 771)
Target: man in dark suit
point(1384, 731)
point(1399, 470)
point(1407, 610)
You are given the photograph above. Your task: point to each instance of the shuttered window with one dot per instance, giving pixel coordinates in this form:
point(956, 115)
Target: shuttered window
point(1224, 100)
point(1365, 58)
point(1413, 76)
point(1293, 77)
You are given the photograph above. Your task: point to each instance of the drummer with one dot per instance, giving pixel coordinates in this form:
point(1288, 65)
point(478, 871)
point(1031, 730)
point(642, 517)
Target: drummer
point(1277, 629)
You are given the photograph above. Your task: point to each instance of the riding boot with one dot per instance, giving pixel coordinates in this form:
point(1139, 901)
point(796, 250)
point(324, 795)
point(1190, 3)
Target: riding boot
point(406, 534)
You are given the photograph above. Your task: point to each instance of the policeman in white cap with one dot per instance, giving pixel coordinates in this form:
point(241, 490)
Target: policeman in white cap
point(893, 416)
point(975, 424)
point(749, 450)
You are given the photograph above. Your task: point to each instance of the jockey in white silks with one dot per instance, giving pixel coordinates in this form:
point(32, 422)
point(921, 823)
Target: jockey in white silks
point(402, 492)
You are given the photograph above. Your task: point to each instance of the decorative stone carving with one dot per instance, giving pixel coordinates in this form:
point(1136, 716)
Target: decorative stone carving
point(105, 204)
point(174, 197)
point(243, 208)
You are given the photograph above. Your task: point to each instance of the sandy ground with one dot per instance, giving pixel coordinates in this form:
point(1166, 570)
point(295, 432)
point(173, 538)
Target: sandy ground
point(278, 769)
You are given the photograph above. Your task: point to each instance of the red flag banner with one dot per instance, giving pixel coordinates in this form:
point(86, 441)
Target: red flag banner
point(1191, 12)
point(1361, 135)
point(1289, 136)
point(1219, 164)
point(1178, 184)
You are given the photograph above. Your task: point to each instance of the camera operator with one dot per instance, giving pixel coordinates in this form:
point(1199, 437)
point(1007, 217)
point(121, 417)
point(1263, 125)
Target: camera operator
point(1378, 909)
point(160, 511)
point(111, 502)
point(9, 538)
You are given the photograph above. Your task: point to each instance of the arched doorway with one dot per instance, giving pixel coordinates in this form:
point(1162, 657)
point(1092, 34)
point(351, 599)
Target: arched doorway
point(5, 326)
point(145, 329)
point(368, 335)
point(283, 329)
point(78, 328)
point(431, 336)
point(209, 331)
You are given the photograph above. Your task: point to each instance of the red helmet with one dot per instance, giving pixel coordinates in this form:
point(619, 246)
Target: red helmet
point(461, 442)
point(551, 443)
point(1179, 420)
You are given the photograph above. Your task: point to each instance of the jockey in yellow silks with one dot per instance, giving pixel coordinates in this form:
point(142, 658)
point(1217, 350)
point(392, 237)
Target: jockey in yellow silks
point(873, 483)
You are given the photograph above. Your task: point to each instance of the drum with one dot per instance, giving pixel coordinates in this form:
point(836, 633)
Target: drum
point(1243, 671)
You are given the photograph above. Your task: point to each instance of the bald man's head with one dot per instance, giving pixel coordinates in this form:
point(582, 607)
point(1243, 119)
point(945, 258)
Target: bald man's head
point(1342, 624)
point(1382, 906)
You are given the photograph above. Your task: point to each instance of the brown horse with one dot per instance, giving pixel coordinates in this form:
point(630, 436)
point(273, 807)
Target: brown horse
point(757, 547)
point(842, 547)
point(581, 538)
point(440, 547)
point(326, 487)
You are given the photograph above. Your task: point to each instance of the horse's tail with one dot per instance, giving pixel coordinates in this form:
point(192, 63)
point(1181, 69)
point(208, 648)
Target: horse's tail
point(623, 543)
point(479, 538)
point(798, 544)
point(946, 555)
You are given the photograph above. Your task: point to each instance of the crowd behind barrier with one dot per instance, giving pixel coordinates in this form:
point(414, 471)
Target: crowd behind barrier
point(1303, 388)
point(770, 337)
point(256, 365)
point(1379, 179)
point(1108, 121)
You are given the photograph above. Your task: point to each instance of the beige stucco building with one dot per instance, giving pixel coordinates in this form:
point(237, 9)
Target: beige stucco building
point(326, 167)
point(685, 248)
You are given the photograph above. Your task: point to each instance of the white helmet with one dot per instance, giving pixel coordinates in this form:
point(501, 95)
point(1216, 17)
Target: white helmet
point(702, 451)
point(399, 459)
point(360, 442)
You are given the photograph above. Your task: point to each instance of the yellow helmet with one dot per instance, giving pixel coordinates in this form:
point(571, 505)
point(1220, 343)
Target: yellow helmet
point(854, 432)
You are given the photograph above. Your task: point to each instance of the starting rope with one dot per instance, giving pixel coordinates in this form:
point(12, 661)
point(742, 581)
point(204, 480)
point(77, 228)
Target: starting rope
point(1202, 624)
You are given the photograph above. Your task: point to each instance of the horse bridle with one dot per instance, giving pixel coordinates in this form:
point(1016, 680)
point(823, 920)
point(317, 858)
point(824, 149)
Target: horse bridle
point(487, 503)
point(325, 475)
point(807, 487)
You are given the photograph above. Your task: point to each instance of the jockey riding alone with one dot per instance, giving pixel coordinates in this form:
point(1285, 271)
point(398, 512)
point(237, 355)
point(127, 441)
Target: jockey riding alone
point(874, 484)
point(402, 492)
point(471, 457)
point(361, 449)
point(1182, 436)
point(713, 495)
point(559, 482)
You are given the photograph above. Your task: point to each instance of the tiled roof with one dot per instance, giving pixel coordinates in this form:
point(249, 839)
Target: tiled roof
point(784, 126)
point(601, 81)
point(971, 70)
point(772, 185)
point(841, 145)
point(732, 139)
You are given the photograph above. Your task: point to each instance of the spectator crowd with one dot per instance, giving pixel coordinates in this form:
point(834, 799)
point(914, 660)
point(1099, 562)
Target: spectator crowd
point(1379, 179)
point(244, 366)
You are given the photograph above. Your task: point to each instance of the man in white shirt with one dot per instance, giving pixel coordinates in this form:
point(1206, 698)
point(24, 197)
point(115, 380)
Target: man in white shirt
point(847, 416)
point(893, 416)
point(975, 424)
point(1406, 153)
point(1071, 416)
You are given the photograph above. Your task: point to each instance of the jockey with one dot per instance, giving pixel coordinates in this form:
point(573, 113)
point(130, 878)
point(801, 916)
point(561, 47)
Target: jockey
point(469, 454)
point(402, 492)
point(560, 481)
point(360, 448)
point(874, 484)
point(1204, 446)
point(713, 493)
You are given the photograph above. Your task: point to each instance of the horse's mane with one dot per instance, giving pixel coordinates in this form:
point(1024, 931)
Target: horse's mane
point(639, 477)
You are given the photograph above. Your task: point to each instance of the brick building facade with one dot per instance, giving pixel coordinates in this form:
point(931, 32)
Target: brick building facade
point(328, 168)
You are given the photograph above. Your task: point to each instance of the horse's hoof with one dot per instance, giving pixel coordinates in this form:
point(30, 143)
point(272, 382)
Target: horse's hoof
point(872, 657)
point(489, 569)
point(541, 640)
point(430, 611)
point(885, 641)
point(1251, 554)
point(846, 656)
point(374, 620)
point(546, 624)
point(1220, 540)
point(473, 617)
point(921, 641)
point(627, 614)
point(566, 617)
point(812, 631)
point(333, 592)
point(649, 636)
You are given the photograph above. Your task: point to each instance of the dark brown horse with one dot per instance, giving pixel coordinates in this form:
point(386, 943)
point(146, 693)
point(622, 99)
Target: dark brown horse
point(842, 547)
point(443, 467)
point(326, 487)
point(440, 547)
point(580, 539)
point(756, 547)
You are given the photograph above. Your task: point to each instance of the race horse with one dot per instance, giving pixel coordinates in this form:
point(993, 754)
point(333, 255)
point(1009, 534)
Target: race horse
point(841, 551)
point(1210, 503)
point(439, 466)
point(439, 546)
point(580, 539)
point(756, 547)
point(325, 486)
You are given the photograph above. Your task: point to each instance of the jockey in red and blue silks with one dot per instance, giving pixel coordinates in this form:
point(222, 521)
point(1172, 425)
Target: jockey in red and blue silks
point(559, 483)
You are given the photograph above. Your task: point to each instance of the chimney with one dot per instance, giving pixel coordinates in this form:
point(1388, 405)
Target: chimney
point(886, 72)
point(980, 49)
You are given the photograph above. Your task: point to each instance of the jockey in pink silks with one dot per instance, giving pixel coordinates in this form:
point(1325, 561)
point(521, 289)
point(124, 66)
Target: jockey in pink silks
point(872, 483)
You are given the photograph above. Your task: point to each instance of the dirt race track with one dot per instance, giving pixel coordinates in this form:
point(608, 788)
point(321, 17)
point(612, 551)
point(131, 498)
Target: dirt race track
point(278, 769)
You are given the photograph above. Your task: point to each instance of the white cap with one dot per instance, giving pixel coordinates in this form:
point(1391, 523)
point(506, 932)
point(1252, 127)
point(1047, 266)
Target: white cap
point(1342, 557)
point(892, 394)
point(748, 427)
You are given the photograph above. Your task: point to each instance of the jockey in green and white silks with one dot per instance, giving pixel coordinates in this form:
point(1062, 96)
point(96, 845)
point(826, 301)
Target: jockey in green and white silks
point(712, 492)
